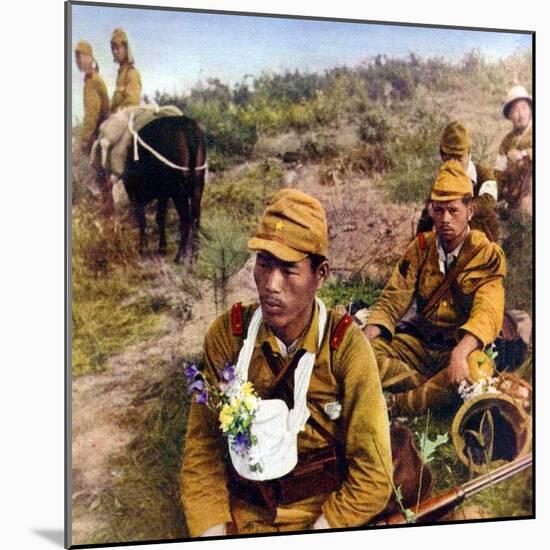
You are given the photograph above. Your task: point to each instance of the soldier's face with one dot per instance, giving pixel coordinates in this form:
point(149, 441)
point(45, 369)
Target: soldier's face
point(451, 221)
point(120, 52)
point(83, 61)
point(520, 114)
point(286, 291)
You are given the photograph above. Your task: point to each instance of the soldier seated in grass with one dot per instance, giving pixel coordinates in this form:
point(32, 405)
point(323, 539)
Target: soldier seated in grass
point(298, 357)
point(453, 279)
point(456, 144)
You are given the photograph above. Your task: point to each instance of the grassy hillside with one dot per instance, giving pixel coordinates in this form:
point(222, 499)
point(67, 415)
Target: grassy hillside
point(374, 126)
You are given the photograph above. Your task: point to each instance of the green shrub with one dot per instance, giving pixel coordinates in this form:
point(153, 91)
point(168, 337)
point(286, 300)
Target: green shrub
point(338, 291)
point(222, 253)
point(374, 127)
point(319, 146)
point(414, 156)
point(244, 196)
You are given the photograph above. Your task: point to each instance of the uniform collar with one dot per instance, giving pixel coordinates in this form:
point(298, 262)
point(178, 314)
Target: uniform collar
point(308, 340)
point(447, 259)
point(125, 66)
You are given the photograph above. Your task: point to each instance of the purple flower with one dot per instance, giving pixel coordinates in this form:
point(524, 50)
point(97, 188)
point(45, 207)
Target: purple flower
point(228, 373)
point(202, 397)
point(191, 371)
point(197, 386)
point(241, 443)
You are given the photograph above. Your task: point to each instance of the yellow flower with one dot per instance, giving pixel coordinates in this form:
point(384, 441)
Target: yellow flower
point(250, 402)
point(247, 389)
point(226, 417)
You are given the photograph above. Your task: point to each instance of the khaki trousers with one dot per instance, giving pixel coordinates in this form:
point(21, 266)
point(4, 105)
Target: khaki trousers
point(415, 373)
point(249, 519)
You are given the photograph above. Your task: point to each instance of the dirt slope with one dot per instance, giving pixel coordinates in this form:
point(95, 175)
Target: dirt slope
point(365, 234)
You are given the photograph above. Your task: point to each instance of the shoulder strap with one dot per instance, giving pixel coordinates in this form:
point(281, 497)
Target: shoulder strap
point(422, 241)
point(339, 331)
point(449, 280)
point(237, 327)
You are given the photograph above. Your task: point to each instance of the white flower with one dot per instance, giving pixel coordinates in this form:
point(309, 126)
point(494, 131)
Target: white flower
point(468, 391)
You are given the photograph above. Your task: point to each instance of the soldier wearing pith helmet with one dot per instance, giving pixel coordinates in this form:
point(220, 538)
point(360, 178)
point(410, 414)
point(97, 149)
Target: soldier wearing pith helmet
point(128, 82)
point(291, 348)
point(456, 144)
point(444, 301)
point(513, 164)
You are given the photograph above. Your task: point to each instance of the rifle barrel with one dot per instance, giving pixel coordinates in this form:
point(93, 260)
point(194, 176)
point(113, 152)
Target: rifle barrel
point(476, 485)
point(435, 507)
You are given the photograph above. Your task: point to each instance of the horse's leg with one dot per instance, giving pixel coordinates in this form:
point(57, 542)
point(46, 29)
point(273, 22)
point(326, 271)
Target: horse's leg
point(181, 202)
point(139, 215)
point(162, 206)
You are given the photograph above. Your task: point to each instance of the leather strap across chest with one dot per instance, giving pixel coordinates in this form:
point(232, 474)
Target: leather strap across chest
point(284, 387)
point(449, 280)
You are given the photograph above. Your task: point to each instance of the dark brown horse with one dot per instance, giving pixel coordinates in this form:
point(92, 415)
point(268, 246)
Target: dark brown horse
point(178, 174)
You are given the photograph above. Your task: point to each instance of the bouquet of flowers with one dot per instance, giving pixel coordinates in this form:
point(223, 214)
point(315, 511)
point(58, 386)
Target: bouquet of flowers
point(236, 403)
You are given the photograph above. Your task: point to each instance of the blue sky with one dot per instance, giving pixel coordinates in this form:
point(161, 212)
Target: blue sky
point(175, 49)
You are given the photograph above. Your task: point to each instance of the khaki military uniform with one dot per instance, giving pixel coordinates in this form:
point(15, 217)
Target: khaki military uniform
point(413, 352)
point(508, 172)
point(128, 88)
point(96, 108)
point(347, 375)
point(485, 216)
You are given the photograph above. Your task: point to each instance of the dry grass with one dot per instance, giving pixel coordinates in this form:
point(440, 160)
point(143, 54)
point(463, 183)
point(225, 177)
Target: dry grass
point(108, 311)
point(111, 311)
point(142, 502)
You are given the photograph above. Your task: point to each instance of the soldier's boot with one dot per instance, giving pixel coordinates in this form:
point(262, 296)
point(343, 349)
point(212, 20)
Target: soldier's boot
point(436, 393)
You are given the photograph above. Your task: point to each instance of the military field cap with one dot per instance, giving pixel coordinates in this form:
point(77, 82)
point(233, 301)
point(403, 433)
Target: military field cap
point(451, 183)
point(490, 427)
point(119, 37)
point(455, 139)
point(84, 47)
point(292, 226)
point(517, 92)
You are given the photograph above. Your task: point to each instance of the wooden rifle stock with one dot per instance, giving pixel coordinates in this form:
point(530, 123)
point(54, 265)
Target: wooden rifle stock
point(435, 507)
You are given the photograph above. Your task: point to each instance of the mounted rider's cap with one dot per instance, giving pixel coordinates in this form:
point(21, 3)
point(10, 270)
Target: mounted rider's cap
point(452, 183)
point(85, 48)
point(120, 37)
point(455, 139)
point(515, 94)
point(293, 226)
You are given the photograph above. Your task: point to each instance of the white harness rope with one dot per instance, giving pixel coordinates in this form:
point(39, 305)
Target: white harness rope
point(137, 139)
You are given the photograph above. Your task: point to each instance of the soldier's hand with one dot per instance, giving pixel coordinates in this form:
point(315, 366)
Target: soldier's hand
point(372, 331)
point(321, 523)
point(515, 155)
point(458, 367)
